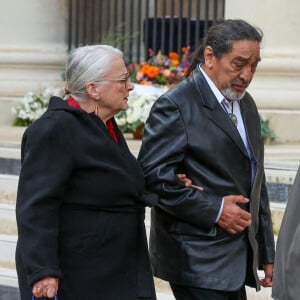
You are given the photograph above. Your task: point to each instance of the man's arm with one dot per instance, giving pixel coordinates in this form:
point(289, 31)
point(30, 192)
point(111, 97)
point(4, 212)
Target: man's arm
point(162, 156)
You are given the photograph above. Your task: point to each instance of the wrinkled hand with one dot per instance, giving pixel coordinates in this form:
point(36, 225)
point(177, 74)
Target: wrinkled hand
point(233, 218)
point(47, 287)
point(268, 280)
point(188, 182)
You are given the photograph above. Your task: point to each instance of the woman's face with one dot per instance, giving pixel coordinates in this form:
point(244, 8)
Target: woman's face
point(115, 88)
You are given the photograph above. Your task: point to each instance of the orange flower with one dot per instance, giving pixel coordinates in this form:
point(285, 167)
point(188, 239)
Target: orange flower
point(162, 69)
point(173, 56)
point(145, 68)
point(152, 72)
point(145, 82)
point(184, 50)
point(175, 62)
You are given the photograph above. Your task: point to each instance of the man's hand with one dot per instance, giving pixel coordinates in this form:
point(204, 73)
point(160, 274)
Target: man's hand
point(233, 218)
point(268, 280)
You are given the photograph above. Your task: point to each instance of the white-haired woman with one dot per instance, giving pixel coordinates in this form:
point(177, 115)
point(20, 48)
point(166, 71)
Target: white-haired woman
point(80, 206)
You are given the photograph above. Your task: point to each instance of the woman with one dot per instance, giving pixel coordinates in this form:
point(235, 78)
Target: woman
point(80, 209)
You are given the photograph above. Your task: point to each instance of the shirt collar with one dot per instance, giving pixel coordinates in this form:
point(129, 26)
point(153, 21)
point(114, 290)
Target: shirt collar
point(212, 86)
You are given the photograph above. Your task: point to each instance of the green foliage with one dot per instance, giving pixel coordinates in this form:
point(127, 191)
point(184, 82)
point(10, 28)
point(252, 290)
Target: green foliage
point(266, 132)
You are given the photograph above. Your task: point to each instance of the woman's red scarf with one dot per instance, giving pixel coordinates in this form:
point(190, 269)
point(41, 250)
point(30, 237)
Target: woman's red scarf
point(110, 126)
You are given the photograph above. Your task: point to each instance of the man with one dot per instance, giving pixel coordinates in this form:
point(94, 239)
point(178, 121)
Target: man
point(208, 242)
point(287, 266)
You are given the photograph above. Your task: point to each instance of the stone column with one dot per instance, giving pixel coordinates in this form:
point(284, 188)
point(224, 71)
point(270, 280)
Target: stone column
point(33, 48)
point(276, 85)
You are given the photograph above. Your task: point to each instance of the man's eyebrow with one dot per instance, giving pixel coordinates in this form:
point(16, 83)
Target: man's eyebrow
point(242, 58)
point(245, 58)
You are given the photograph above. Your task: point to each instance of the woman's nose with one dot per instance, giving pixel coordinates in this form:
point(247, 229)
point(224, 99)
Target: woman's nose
point(130, 85)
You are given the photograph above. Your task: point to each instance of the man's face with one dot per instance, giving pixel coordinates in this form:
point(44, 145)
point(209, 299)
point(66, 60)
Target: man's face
point(233, 72)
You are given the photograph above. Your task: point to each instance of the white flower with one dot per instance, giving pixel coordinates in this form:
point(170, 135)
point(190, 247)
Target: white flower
point(139, 106)
point(32, 106)
point(133, 116)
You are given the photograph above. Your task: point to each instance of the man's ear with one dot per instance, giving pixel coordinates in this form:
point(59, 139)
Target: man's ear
point(92, 90)
point(208, 56)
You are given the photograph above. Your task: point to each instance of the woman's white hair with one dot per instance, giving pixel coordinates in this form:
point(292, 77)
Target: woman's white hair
point(88, 64)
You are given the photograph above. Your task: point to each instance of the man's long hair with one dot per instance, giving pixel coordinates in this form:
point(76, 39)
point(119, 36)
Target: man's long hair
point(220, 37)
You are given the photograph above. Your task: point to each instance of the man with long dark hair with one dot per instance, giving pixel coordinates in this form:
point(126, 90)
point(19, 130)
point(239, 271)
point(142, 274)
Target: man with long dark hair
point(208, 243)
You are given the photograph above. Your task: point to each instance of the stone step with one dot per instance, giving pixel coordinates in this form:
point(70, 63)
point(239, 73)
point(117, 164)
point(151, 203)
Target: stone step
point(10, 159)
point(8, 284)
point(9, 293)
point(10, 135)
point(10, 150)
point(7, 251)
point(8, 277)
point(8, 219)
point(281, 173)
point(8, 188)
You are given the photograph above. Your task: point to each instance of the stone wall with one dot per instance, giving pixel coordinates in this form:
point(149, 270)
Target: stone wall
point(33, 44)
point(276, 85)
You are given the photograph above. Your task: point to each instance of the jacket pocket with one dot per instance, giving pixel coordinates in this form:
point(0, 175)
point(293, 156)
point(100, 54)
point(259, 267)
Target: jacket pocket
point(183, 228)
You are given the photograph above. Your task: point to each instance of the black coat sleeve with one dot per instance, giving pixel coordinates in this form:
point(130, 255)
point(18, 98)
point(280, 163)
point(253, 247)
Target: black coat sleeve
point(162, 156)
point(46, 166)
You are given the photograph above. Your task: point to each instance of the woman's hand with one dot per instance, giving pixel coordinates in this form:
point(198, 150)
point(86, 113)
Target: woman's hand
point(188, 182)
point(47, 287)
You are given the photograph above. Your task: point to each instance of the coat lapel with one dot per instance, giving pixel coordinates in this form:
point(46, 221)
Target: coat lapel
point(216, 112)
point(251, 127)
point(222, 120)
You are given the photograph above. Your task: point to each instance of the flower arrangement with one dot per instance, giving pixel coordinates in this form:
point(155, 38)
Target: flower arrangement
point(140, 101)
point(161, 69)
point(32, 106)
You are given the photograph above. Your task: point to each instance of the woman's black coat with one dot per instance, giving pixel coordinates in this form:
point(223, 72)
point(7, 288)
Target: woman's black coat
point(79, 210)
